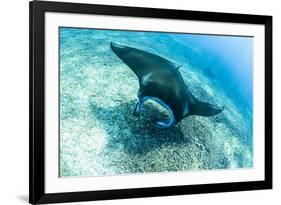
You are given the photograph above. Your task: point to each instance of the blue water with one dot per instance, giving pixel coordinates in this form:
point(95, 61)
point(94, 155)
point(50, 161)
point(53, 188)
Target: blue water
point(100, 136)
point(228, 58)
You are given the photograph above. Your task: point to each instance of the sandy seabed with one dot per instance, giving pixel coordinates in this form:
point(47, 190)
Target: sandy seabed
point(99, 134)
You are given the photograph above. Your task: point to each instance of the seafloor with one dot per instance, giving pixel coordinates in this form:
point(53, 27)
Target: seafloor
point(100, 136)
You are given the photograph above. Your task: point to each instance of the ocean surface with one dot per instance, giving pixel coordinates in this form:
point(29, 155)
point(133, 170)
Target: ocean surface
point(99, 134)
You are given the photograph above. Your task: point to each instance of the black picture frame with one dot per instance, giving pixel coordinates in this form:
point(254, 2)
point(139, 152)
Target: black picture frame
point(37, 10)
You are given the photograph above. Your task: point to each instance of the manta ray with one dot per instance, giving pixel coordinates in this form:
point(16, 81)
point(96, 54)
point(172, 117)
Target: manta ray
point(161, 81)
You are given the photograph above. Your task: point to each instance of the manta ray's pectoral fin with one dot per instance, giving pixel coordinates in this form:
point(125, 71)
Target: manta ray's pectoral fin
point(205, 109)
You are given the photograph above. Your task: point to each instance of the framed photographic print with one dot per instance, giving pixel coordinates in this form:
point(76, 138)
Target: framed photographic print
point(140, 102)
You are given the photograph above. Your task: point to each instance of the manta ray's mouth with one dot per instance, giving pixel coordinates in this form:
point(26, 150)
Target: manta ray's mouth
point(160, 123)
